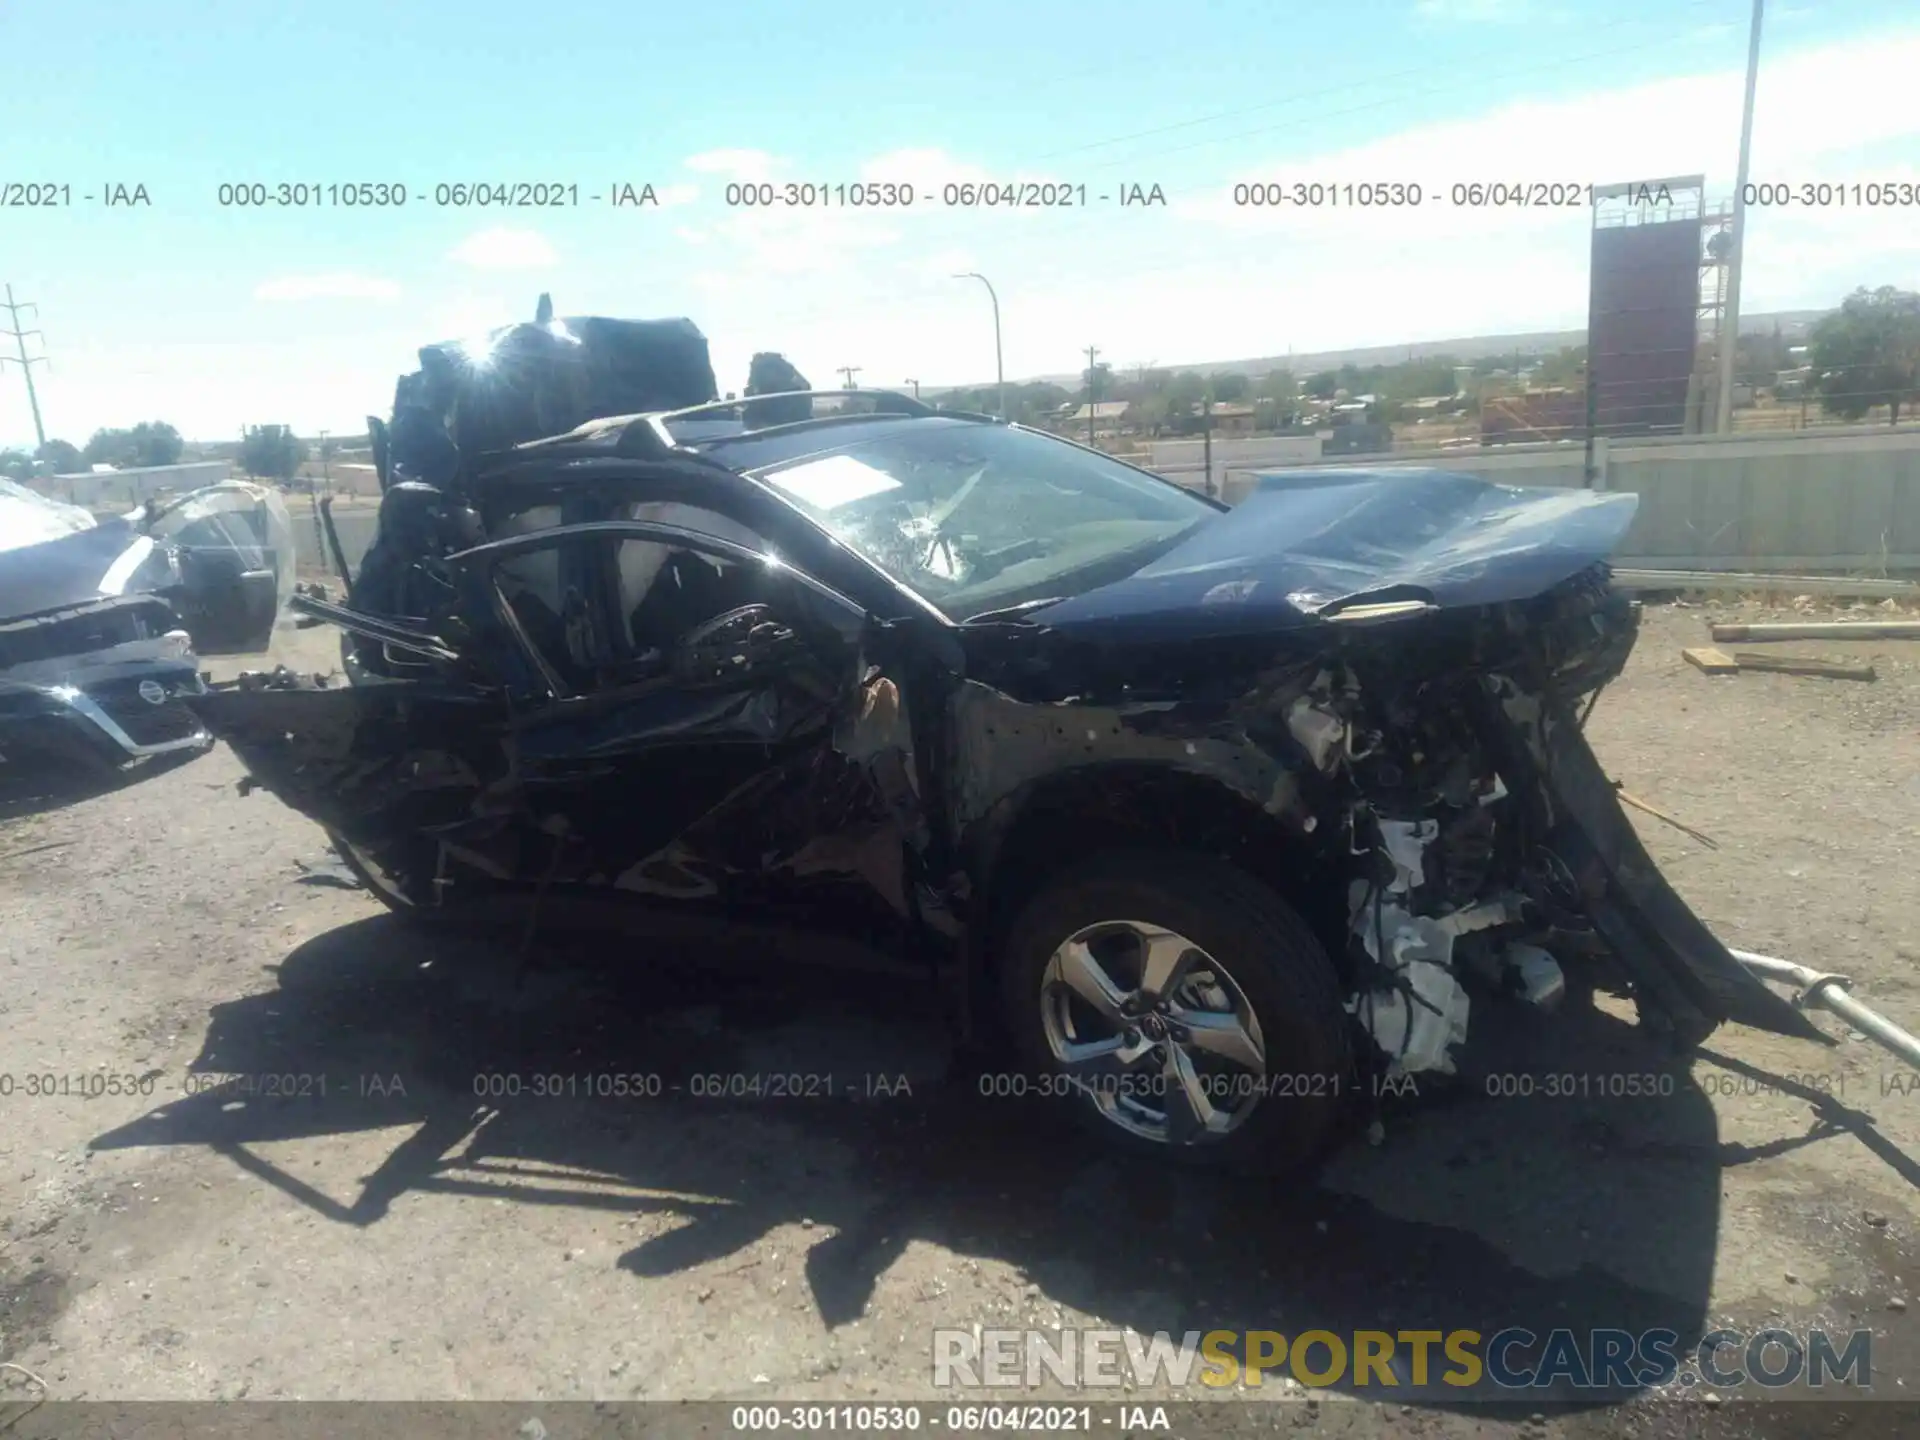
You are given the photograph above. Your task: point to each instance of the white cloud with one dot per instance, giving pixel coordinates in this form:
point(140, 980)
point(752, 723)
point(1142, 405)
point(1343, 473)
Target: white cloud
point(804, 241)
point(680, 194)
point(1816, 109)
point(502, 248)
point(734, 164)
point(470, 315)
point(926, 169)
point(337, 285)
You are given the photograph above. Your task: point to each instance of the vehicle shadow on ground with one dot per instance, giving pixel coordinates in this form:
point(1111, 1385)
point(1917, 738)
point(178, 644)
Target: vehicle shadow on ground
point(33, 788)
point(1532, 1199)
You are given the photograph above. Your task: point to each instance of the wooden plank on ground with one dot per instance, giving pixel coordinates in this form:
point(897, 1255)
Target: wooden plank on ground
point(1714, 662)
point(1803, 665)
point(1823, 630)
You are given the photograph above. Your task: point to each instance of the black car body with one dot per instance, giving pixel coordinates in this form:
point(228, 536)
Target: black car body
point(1214, 808)
point(103, 620)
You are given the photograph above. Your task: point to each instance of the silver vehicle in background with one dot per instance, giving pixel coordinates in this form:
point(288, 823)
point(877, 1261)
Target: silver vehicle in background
point(103, 619)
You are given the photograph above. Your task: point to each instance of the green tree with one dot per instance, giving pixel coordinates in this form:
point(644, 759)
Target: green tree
point(1038, 398)
point(1322, 385)
point(62, 456)
point(270, 452)
point(1759, 359)
point(1184, 391)
point(1150, 412)
point(1229, 389)
point(151, 442)
point(1278, 385)
point(1868, 353)
point(16, 464)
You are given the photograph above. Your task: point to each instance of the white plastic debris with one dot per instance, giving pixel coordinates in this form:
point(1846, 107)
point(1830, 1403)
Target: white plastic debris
point(1541, 981)
point(1417, 1030)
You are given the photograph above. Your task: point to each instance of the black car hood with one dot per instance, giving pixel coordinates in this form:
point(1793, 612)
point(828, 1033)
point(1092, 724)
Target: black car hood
point(72, 569)
point(1308, 538)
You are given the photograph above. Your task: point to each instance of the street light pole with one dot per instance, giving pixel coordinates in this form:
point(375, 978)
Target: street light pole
point(1736, 260)
point(999, 365)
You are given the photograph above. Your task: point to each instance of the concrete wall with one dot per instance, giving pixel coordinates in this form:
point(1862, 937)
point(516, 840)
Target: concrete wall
point(1185, 460)
point(353, 520)
point(1846, 500)
point(123, 489)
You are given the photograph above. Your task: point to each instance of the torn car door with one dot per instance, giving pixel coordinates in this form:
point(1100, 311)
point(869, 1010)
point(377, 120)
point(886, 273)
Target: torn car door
point(369, 763)
point(711, 731)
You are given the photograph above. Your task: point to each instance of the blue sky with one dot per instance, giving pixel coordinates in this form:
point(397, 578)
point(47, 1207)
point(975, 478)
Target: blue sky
point(216, 317)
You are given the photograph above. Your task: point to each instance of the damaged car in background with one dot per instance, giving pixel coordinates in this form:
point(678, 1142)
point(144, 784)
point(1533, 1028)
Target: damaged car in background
point(1210, 813)
point(102, 619)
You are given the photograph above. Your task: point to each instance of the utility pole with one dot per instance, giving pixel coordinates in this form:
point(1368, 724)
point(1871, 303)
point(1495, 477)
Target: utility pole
point(313, 497)
point(999, 363)
point(849, 371)
point(26, 365)
point(1093, 398)
point(916, 388)
point(1736, 258)
point(1206, 432)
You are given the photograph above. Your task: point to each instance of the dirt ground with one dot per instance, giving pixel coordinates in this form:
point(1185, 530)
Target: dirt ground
point(396, 1228)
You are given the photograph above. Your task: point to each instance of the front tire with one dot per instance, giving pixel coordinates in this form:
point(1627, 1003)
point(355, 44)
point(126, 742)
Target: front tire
point(1182, 1009)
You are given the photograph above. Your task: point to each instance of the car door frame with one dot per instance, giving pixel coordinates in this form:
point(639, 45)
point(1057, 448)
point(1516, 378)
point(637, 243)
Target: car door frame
point(475, 572)
point(837, 632)
point(912, 639)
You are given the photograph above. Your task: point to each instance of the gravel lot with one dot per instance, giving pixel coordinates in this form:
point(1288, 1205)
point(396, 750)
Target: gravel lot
point(401, 1237)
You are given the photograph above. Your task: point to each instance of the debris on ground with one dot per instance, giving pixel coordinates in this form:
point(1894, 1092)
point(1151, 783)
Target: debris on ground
point(1804, 665)
point(1637, 803)
point(1822, 630)
point(330, 870)
point(281, 678)
point(1711, 661)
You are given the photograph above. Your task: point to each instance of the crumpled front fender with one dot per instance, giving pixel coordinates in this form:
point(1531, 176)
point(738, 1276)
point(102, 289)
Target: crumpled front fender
point(1691, 979)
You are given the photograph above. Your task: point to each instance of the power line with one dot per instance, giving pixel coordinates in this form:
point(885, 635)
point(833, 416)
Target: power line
point(26, 365)
point(848, 372)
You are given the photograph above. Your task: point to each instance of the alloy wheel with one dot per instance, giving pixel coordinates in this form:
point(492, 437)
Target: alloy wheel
point(1153, 1031)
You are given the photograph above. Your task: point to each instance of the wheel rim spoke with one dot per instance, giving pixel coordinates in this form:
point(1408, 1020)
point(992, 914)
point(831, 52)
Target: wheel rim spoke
point(1164, 960)
point(1190, 1114)
point(1095, 1060)
point(1075, 967)
point(1221, 1034)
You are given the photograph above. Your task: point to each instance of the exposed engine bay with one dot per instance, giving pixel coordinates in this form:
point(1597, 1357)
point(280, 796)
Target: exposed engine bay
point(1465, 873)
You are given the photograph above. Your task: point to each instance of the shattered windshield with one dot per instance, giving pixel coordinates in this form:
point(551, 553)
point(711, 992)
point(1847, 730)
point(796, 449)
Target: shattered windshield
point(979, 517)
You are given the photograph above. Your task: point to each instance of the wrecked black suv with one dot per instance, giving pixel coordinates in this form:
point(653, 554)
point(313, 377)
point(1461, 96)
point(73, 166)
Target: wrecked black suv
point(1210, 810)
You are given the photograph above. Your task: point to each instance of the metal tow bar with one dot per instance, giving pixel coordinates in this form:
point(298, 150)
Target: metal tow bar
point(1829, 992)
